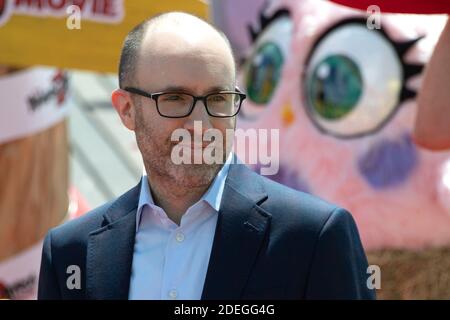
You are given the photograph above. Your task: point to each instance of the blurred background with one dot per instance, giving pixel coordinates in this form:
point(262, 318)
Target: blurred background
point(357, 89)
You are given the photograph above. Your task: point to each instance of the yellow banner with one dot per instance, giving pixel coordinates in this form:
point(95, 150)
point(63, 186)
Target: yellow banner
point(79, 34)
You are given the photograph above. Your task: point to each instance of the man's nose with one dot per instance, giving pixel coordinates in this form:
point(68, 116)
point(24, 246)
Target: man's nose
point(198, 114)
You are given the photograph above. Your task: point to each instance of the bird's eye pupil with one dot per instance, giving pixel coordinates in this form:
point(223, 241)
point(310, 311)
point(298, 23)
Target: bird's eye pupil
point(334, 87)
point(263, 73)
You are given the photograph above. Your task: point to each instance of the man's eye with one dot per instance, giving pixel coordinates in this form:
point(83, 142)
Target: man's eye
point(173, 97)
point(218, 98)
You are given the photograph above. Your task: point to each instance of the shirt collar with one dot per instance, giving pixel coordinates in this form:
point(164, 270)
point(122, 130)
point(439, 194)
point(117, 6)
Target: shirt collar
point(212, 196)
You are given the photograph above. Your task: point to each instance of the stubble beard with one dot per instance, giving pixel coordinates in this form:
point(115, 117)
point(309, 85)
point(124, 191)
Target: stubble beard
point(156, 154)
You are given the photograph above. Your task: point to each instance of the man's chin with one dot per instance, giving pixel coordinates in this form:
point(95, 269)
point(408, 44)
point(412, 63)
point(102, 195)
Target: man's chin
point(194, 175)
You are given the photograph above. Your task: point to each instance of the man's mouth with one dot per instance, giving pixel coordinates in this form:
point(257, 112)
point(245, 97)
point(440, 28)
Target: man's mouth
point(195, 145)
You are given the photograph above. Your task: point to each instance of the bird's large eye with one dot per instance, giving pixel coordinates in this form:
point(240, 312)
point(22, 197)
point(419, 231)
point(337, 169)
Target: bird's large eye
point(335, 87)
point(353, 80)
point(262, 70)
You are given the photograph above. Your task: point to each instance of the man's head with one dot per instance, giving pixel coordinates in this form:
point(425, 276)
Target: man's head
point(173, 52)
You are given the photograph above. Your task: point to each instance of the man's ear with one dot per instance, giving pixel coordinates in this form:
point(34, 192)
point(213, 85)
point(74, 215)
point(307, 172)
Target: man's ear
point(124, 106)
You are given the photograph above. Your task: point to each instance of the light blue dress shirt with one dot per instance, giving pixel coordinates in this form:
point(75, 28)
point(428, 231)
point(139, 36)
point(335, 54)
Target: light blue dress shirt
point(171, 261)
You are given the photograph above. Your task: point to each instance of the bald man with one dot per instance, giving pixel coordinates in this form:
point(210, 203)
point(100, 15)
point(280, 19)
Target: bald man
point(198, 230)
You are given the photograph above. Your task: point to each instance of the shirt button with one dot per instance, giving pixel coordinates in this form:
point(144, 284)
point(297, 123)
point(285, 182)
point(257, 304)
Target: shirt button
point(179, 237)
point(173, 294)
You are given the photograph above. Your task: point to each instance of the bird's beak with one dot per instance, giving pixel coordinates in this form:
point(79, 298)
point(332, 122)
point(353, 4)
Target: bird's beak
point(287, 114)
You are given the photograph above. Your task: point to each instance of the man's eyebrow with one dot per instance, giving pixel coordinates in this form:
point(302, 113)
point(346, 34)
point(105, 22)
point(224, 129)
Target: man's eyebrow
point(219, 88)
point(187, 90)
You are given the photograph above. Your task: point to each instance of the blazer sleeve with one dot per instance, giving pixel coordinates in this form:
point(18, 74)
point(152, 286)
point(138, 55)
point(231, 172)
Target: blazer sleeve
point(48, 288)
point(339, 265)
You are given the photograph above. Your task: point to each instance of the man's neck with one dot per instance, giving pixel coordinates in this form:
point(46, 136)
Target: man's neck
point(173, 198)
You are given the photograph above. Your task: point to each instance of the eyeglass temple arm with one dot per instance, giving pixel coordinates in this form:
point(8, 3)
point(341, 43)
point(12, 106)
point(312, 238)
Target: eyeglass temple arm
point(139, 92)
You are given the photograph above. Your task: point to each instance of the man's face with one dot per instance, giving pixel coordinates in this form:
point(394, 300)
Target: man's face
point(198, 65)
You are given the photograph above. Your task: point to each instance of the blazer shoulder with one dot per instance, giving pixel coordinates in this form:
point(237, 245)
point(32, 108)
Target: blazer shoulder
point(297, 209)
point(78, 230)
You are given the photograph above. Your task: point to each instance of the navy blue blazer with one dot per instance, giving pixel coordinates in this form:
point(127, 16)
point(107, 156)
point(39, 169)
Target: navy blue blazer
point(271, 242)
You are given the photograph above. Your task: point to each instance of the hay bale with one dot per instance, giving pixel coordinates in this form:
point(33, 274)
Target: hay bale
point(409, 274)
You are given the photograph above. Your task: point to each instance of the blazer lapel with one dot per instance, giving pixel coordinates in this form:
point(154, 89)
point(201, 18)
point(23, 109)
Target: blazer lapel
point(240, 231)
point(110, 250)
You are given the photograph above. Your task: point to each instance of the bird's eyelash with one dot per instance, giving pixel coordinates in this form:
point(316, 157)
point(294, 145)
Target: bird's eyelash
point(265, 21)
point(409, 69)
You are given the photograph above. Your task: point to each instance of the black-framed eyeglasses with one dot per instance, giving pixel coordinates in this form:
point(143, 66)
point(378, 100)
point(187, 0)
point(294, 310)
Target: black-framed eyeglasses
point(222, 104)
